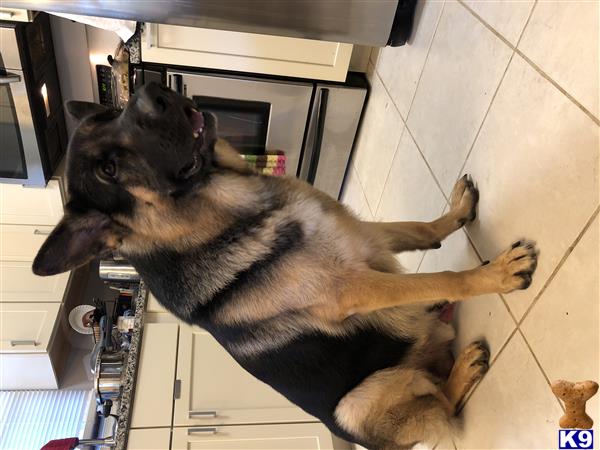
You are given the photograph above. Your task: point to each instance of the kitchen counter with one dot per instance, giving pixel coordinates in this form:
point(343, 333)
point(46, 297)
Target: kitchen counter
point(129, 377)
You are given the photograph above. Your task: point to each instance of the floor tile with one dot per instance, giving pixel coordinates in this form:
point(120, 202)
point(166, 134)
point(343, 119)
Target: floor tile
point(484, 317)
point(536, 163)
point(354, 197)
point(463, 70)
point(562, 39)
point(562, 327)
point(379, 135)
point(410, 194)
point(507, 17)
point(513, 407)
point(401, 67)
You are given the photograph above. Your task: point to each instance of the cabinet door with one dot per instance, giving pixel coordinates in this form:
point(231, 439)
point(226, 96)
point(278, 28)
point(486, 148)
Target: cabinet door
point(216, 390)
point(22, 242)
point(246, 52)
point(153, 401)
point(19, 371)
point(148, 439)
point(31, 206)
point(20, 284)
point(298, 436)
point(26, 327)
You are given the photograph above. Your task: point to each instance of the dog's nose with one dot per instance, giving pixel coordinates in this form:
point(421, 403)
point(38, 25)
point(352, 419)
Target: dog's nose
point(153, 99)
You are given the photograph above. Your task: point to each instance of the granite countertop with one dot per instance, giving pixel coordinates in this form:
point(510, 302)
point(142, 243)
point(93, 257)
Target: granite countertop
point(129, 377)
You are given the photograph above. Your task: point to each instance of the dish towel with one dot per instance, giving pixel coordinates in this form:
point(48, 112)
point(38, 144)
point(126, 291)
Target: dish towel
point(61, 444)
point(272, 163)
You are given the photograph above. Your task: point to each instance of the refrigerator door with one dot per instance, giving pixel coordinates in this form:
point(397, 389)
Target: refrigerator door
point(334, 121)
point(366, 22)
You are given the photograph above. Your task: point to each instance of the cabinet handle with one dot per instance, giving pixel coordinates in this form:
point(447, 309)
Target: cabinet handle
point(41, 232)
point(177, 390)
point(23, 342)
point(9, 77)
point(203, 414)
point(202, 430)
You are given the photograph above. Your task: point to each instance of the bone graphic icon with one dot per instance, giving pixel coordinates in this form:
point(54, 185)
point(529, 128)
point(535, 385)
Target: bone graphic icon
point(574, 396)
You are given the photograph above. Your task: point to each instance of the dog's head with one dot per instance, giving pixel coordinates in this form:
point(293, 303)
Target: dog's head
point(158, 150)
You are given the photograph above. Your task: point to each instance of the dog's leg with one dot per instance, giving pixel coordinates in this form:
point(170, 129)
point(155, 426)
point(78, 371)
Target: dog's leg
point(394, 409)
point(404, 236)
point(469, 368)
point(369, 290)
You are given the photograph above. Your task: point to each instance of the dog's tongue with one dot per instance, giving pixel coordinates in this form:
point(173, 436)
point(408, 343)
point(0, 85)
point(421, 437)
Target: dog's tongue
point(197, 120)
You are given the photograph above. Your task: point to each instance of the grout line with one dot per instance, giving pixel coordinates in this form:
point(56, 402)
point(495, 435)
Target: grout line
point(557, 86)
point(362, 190)
point(559, 265)
point(437, 23)
point(420, 73)
point(387, 176)
point(535, 3)
point(485, 116)
point(540, 367)
point(387, 93)
point(421, 262)
point(428, 166)
point(529, 61)
point(514, 48)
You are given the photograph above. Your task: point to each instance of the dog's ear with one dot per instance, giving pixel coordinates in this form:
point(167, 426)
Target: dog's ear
point(76, 240)
point(80, 110)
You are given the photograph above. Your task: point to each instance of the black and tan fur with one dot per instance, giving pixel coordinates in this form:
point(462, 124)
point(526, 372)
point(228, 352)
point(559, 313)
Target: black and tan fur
point(300, 292)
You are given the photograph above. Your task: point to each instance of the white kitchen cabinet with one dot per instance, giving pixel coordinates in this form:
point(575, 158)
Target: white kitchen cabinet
point(297, 436)
point(20, 371)
point(19, 245)
point(31, 206)
point(22, 242)
point(149, 439)
point(216, 390)
point(153, 401)
point(19, 284)
point(27, 327)
point(152, 306)
point(245, 52)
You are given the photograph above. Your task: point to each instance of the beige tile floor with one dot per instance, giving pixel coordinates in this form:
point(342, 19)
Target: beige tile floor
point(508, 92)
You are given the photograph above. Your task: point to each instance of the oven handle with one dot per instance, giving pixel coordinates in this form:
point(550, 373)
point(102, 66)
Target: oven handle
point(10, 78)
point(316, 151)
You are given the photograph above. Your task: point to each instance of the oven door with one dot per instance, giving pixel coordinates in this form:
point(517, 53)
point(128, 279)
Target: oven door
point(254, 115)
point(20, 160)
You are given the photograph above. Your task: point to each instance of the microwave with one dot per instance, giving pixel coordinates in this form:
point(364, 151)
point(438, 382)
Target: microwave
point(33, 135)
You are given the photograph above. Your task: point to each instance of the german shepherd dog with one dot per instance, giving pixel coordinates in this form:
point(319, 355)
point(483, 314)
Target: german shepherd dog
point(301, 293)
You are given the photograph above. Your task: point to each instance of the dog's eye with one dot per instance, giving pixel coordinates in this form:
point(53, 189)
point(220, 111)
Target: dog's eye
point(109, 168)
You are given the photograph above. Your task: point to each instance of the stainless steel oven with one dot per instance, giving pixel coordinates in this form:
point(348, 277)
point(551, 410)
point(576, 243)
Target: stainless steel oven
point(32, 130)
point(313, 124)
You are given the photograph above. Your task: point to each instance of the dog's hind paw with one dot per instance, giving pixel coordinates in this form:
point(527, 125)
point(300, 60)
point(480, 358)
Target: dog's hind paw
point(463, 200)
point(470, 366)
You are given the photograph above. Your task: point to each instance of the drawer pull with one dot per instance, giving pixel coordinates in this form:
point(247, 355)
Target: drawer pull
point(202, 430)
point(41, 232)
point(17, 343)
point(211, 414)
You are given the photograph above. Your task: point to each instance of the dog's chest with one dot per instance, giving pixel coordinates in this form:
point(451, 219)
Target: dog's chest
point(202, 279)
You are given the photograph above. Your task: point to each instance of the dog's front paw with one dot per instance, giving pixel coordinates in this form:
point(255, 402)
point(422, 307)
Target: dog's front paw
point(463, 201)
point(514, 268)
